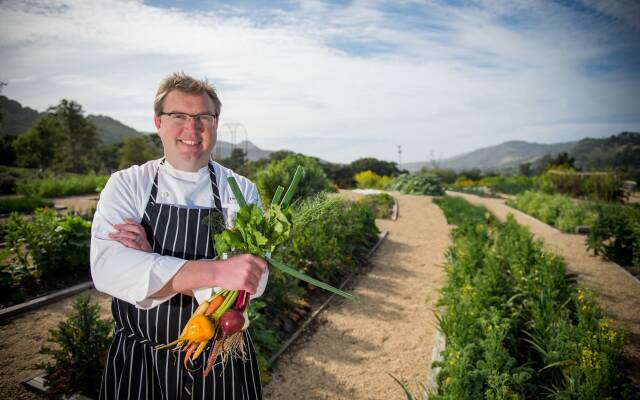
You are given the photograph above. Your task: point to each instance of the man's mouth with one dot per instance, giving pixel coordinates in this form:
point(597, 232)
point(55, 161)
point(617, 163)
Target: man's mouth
point(190, 142)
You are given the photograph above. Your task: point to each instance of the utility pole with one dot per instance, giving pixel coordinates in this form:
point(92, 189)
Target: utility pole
point(399, 155)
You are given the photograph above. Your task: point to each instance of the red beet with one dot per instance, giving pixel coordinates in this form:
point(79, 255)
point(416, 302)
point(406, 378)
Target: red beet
point(231, 322)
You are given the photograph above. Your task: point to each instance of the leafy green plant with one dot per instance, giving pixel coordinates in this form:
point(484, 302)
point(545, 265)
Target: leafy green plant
point(424, 184)
point(458, 211)
point(381, 204)
point(553, 209)
point(48, 243)
point(616, 233)
point(80, 347)
point(280, 172)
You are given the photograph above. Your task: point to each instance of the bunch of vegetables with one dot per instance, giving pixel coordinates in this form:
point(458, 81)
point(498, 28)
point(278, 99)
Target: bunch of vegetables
point(223, 317)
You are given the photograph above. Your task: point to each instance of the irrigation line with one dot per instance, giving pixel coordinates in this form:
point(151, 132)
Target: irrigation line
point(313, 316)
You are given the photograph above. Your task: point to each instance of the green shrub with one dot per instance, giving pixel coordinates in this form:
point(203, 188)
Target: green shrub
point(9, 176)
point(280, 172)
point(62, 186)
point(22, 204)
point(81, 346)
point(553, 209)
point(49, 244)
point(516, 327)
point(616, 233)
point(380, 203)
point(507, 184)
point(593, 185)
point(424, 184)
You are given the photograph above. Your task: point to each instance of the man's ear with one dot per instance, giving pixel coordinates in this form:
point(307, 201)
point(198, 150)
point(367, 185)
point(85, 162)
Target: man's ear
point(156, 122)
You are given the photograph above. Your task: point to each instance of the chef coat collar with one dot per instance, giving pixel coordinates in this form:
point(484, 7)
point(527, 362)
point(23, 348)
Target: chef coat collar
point(185, 175)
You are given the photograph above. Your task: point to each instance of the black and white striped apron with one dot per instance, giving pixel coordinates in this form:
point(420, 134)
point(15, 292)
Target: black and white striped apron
point(134, 369)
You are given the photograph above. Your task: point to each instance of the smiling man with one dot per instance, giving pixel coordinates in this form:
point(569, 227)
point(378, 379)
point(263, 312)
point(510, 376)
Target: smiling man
point(152, 250)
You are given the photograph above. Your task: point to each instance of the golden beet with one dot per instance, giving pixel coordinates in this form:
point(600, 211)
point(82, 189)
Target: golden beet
point(199, 329)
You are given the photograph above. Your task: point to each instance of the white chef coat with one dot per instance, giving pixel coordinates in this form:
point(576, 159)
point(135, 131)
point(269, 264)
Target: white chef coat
point(133, 275)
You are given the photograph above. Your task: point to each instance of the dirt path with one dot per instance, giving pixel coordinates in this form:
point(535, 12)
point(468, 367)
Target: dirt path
point(390, 330)
point(21, 338)
point(617, 292)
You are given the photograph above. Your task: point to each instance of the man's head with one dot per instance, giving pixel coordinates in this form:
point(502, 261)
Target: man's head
point(186, 117)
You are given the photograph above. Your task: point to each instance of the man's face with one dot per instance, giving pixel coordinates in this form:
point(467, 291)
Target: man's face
point(188, 146)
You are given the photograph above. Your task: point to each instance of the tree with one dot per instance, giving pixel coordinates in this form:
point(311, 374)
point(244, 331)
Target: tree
point(562, 160)
point(281, 172)
point(82, 134)
point(62, 140)
point(7, 152)
point(137, 150)
point(380, 167)
point(236, 159)
point(44, 146)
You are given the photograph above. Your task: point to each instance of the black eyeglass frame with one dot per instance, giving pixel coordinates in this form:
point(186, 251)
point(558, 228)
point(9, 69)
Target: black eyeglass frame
point(194, 116)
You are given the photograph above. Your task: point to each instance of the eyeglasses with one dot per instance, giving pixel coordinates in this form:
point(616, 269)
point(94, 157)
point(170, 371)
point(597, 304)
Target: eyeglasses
point(179, 119)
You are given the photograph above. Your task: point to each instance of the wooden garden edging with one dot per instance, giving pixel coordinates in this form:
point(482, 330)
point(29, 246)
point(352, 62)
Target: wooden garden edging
point(18, 309)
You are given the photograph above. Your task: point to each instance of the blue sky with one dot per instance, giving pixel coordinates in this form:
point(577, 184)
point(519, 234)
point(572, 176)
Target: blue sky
point(342, 79)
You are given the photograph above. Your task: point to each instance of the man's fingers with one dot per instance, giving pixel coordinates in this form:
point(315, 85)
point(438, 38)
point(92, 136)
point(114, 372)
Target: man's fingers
point(125, 234)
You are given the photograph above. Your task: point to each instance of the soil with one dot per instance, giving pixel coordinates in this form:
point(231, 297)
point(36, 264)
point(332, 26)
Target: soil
point(22, 337)
point(352, 347)
point(615, 289)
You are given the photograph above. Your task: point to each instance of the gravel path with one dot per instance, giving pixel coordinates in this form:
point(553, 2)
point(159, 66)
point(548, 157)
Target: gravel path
point(617, 292)
point(353, 346)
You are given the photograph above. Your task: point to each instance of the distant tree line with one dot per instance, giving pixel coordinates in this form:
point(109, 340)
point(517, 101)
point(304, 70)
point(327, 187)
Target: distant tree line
point(64, 140)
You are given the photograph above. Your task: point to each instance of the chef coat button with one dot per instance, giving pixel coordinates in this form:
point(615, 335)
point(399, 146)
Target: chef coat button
point(165, 194)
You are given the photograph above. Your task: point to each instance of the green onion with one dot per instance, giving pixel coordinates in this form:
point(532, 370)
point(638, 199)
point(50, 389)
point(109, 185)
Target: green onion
point(292, 187)
point(236, 191)
point(297, 274)
point(278, 195)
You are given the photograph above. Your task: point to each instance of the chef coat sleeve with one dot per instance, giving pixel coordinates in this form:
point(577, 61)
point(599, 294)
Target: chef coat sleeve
point(127, 274)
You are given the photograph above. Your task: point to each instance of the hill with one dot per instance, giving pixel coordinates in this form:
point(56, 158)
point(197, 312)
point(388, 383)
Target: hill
point(16, 119)
point(620, 152)
point(223, 150)
point(503, 156)
point(112, 131)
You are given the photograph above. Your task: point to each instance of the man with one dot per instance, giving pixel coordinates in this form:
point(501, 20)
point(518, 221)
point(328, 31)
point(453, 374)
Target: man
point(152, 250)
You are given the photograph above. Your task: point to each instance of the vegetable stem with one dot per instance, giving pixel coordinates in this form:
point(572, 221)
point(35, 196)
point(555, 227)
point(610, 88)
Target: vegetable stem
point(297, 274)
point(278, 195)
point(236, 191)
point(297, 176)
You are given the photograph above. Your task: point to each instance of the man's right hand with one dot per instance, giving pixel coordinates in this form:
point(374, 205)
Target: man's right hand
point(241, 272)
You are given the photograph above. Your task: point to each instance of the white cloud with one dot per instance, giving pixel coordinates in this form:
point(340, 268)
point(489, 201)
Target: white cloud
point(335, 82)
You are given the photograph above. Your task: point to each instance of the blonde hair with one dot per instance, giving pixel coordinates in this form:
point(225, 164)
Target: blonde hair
point(185, 83)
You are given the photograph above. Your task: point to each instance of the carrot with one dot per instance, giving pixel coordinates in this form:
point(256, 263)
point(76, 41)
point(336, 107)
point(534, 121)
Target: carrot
point(213, 305)
point(199, 350)
point(190, 349)
point(201, 308)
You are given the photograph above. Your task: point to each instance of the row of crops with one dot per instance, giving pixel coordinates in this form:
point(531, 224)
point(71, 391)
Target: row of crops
point(516, 326)
point(564, 199)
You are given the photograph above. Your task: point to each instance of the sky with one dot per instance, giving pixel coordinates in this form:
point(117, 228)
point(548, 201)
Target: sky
point(342, 80)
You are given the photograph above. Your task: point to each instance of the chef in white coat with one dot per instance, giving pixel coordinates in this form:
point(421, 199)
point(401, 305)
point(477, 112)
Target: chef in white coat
point(152, 250)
